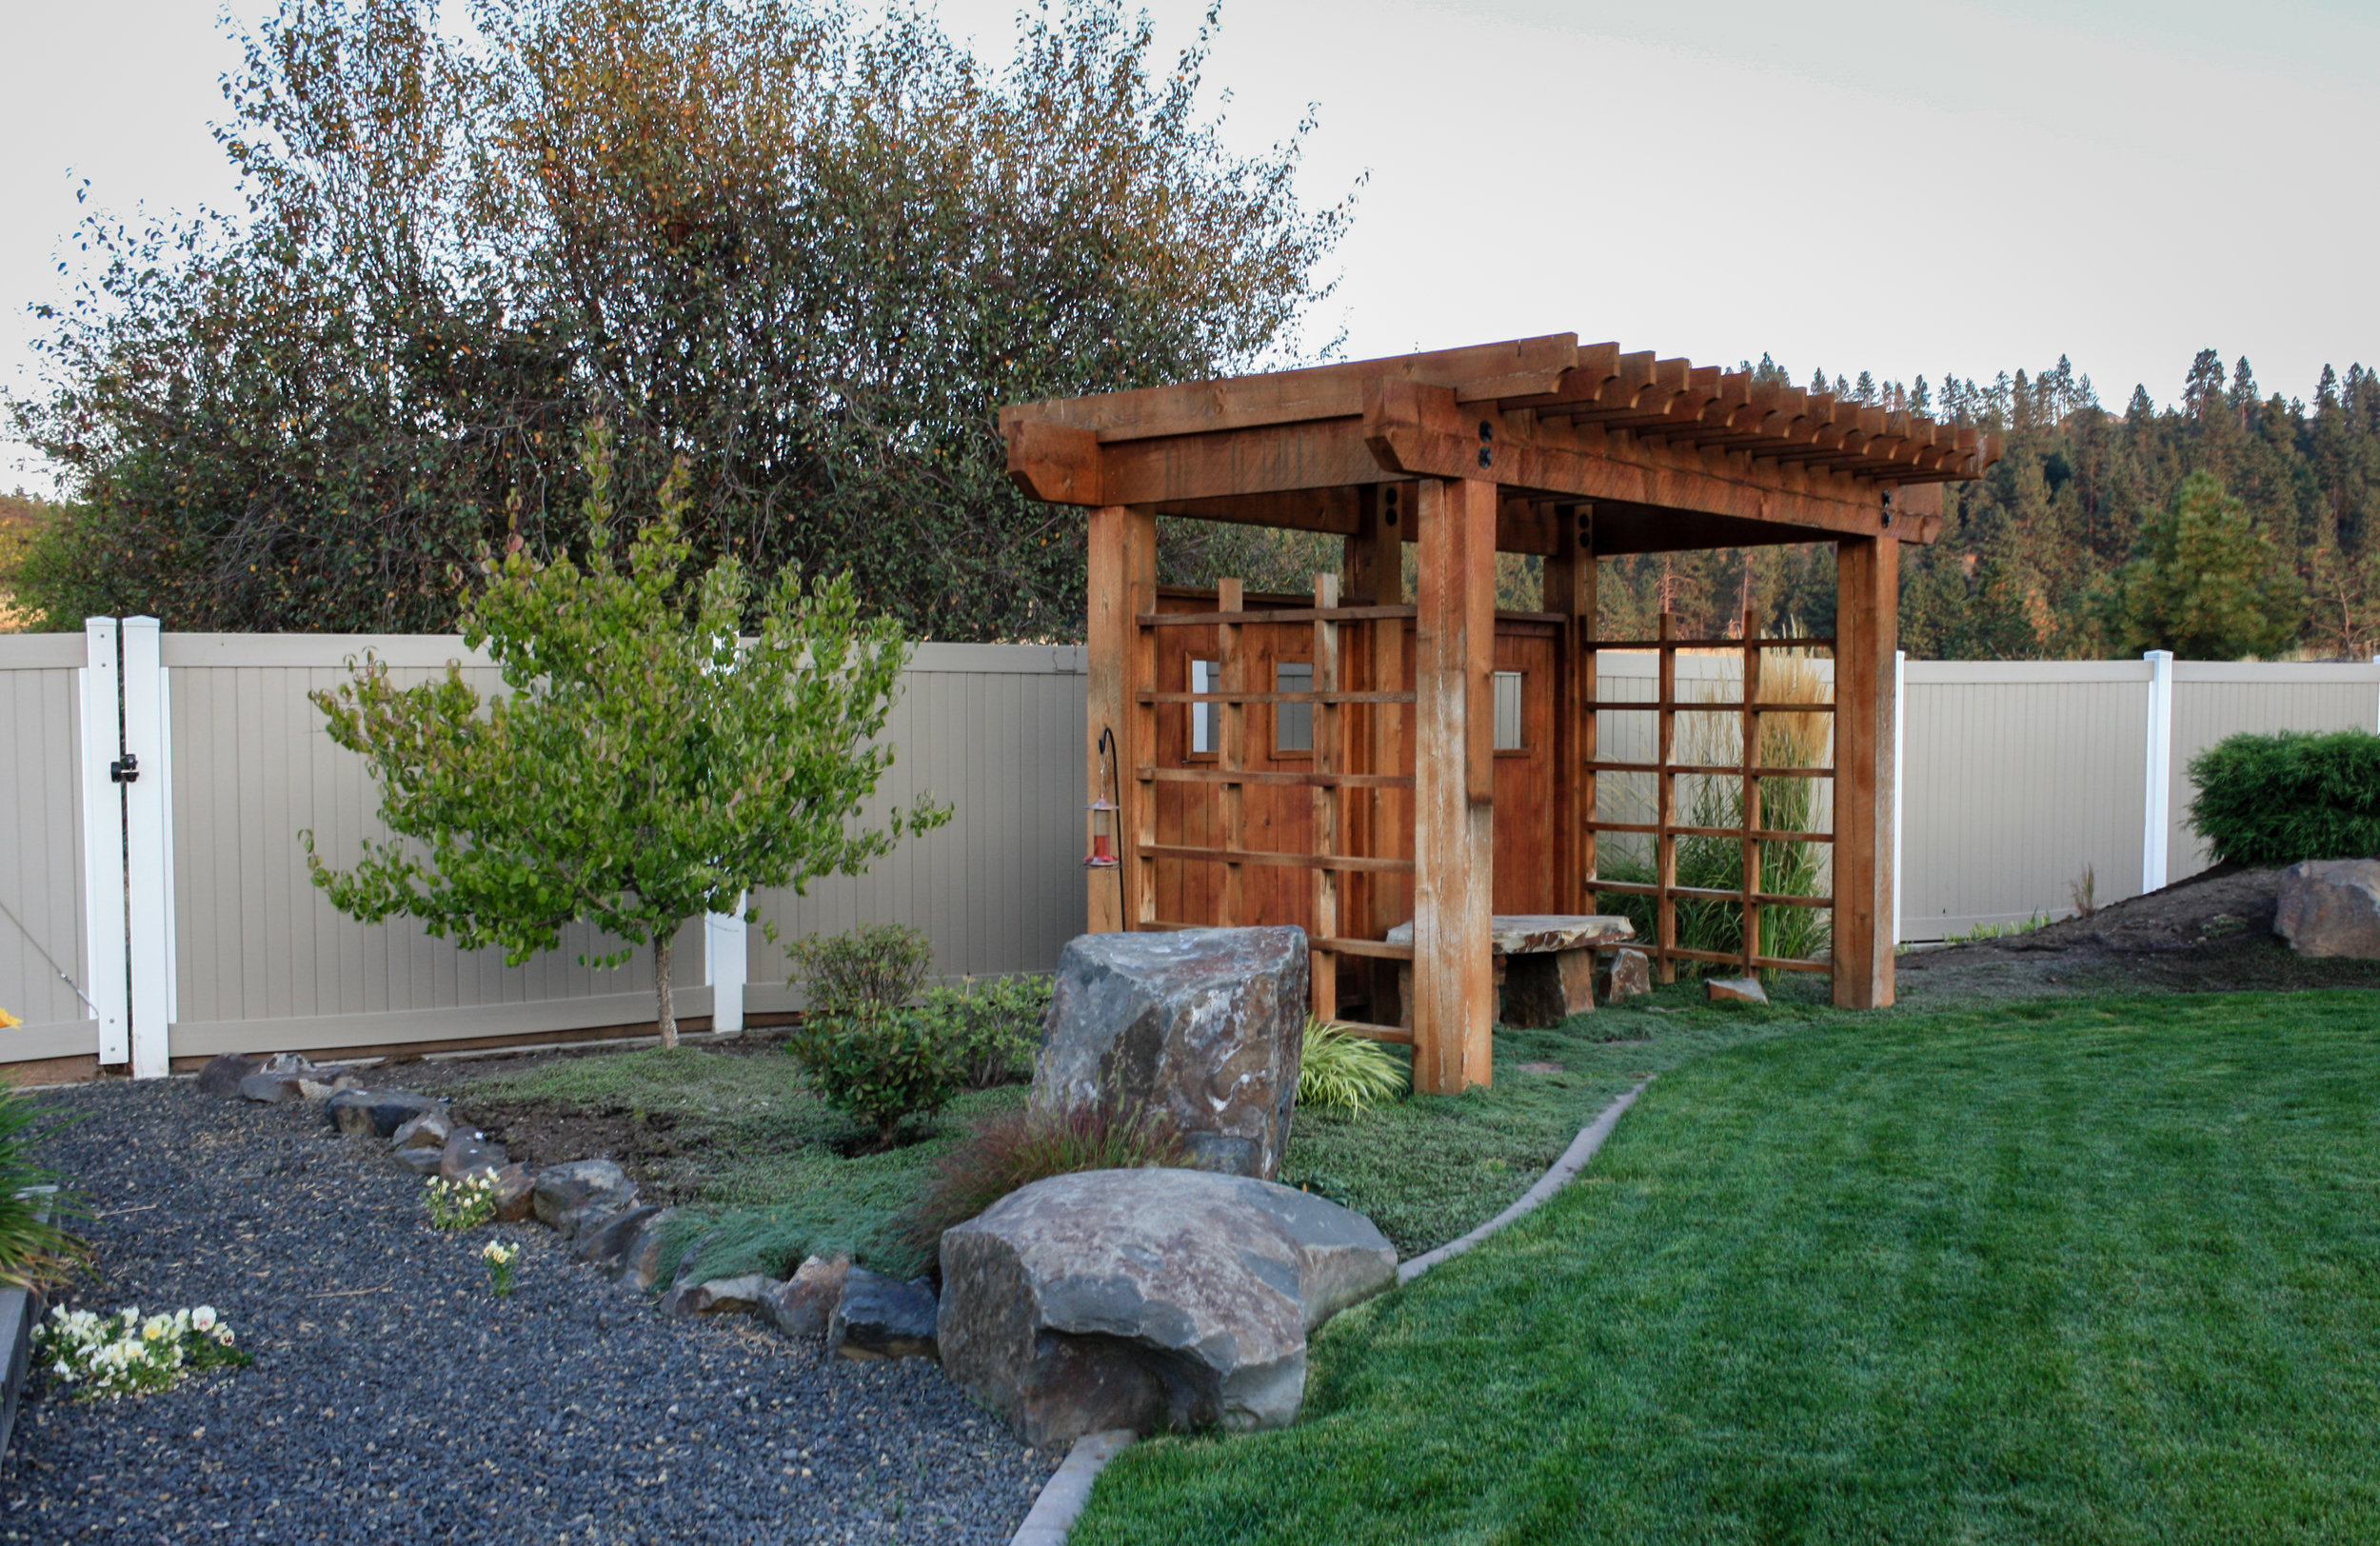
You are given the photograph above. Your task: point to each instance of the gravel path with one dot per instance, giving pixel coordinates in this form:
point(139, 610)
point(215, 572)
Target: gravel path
point(394, 1398)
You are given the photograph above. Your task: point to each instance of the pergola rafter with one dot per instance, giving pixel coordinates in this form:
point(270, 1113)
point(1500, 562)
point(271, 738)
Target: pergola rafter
point(1536, 445)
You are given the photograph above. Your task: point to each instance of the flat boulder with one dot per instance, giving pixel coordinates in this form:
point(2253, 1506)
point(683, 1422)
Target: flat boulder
point(1202, 1027)
point(2331, 907)
point(883, 1318)
point(1733, 990)
point(378, 1113)
point(1149, 1299)
point(720, 1295)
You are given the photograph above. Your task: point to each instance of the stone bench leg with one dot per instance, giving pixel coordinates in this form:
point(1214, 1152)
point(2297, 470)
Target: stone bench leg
point(1547, 987)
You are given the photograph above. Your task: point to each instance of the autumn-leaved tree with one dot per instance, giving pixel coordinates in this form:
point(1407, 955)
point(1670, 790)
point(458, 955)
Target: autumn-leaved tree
point(643, 766)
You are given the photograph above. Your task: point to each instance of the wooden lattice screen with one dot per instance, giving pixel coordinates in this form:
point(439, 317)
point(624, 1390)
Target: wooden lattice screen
point(1666, 827)
point(1351, 768)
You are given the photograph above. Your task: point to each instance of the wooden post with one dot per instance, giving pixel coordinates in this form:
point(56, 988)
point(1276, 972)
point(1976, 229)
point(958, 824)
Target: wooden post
point(1326, 731)
point(1232, 723)
point(1570, 590)
point(1750, 805)
point(1867, 630)
point(1137, 821)
point(1454, 986)
point(1665, 806)
point(1109, 632)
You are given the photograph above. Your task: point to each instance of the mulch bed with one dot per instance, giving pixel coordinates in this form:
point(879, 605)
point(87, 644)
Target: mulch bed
point(393, 1398)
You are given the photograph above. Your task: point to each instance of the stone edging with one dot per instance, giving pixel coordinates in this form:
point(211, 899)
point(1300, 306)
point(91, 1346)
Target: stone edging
point(1573, 1159)
point(1065, 1495)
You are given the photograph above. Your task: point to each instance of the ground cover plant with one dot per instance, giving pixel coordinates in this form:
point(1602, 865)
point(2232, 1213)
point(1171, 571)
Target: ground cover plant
point(2084, 1269)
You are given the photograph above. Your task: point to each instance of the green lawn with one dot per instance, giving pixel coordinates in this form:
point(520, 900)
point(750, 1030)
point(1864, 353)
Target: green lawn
point(2101, 1271)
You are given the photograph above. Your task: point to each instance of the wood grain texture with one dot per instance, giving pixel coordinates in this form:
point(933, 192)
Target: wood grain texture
point(1453, 833)
point(1867, 629)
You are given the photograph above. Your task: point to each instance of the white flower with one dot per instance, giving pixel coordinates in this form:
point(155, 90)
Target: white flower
point(223, 1335)
point(203, 1319)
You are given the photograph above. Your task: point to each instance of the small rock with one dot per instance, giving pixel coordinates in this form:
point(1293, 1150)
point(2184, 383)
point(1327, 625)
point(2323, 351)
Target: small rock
point(640, 1265)
point(223, 1076)
point(420, 1161)
point(805, 1303)
point(604, 1241)
point(576, 1193)
point(1733, 990)
point(1623, 974)
point(720, 1295)
point(322, 1083)
point(2331, 907)
point(428, 1130)
point(513, 1184)
point(883, 1318)
point(468, 1152)
point(288, 1062)
point(378, 1113)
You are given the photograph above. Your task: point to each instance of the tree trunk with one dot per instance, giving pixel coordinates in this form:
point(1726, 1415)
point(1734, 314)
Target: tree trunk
point(668, 1018)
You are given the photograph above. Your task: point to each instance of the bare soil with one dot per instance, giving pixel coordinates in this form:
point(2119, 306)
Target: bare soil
point(2211, 933)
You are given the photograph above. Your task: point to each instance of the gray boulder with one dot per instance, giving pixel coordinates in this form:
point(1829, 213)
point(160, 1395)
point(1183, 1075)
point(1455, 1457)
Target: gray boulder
point(604, 1241)
point(720, 1295)
point(1203, 1027)
point(883, 1318)
point(640, 1264)
point(1149, 1299)
point(571, 1196)
point(426, 1130)
point(805, 1303)
point(422, 1162)
point(378, 1113)
point(467, 1152)
point(512, 1193)
point(2331, 907)
point(287, 1076)
point(223, 1075)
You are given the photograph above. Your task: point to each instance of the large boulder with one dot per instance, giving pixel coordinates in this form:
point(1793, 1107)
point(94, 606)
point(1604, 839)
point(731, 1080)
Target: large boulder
point(570, 1197)
point(1203, 1027)
point(2332, 907)
point(1149, 1299)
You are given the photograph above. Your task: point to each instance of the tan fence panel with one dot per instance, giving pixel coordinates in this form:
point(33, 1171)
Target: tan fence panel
point(261, 959)
point(2215, 699)
point(41, 848)
point(2016, 778)
point(996, 732)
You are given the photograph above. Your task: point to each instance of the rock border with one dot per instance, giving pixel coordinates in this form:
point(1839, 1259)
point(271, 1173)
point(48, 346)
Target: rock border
point(1065, 1493)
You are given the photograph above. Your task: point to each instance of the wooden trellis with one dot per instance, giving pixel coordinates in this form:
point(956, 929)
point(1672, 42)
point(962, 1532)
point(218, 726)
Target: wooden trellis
point(1540, 446)
point(1665, 828)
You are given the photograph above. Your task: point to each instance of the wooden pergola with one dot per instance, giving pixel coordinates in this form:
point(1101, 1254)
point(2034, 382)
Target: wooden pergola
point(1332, 760)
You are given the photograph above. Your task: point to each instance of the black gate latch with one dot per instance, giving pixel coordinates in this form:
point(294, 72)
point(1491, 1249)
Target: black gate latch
point(126, 769)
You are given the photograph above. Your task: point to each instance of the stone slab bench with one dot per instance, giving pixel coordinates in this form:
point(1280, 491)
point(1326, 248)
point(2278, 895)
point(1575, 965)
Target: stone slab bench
point(1544, 963)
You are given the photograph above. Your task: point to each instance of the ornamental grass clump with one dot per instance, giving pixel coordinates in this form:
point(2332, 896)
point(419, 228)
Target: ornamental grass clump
point(35, 1250)
point(1021, 1147)
point(463, 1204)
point(125, 1355)
point(1346, 1071)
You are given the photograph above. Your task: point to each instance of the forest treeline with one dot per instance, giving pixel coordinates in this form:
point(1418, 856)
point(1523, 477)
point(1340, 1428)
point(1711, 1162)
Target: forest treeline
point(2235, 522)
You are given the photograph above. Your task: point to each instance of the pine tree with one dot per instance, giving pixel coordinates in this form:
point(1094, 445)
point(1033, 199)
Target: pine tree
point(2207, 584)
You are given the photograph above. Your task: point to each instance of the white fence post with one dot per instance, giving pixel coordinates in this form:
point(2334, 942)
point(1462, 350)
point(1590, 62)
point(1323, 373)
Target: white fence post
point(2158, 807)
point(1900, 718)
point(724, 955)
point(147, 864)
point(103, 842)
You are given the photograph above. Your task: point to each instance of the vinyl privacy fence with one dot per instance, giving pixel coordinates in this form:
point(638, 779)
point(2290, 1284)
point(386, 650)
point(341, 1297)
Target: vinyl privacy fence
point(157, 904)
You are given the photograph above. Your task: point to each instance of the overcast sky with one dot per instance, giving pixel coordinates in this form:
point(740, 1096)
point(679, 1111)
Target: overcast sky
point(1910, 188)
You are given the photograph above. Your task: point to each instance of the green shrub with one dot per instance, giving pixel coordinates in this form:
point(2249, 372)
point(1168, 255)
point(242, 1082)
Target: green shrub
point(1342, 1069)
point(995, 1025)
point(2279, 799)
point(880, 1066)
point(1021, 1147)
point(863, 972)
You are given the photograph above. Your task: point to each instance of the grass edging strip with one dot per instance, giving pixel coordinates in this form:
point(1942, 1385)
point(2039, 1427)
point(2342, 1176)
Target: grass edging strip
point(1066, 1491)
point(1558, 1176)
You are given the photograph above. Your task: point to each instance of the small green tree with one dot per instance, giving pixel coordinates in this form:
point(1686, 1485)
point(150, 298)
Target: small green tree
point(2207, 584)
point(645, 767)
